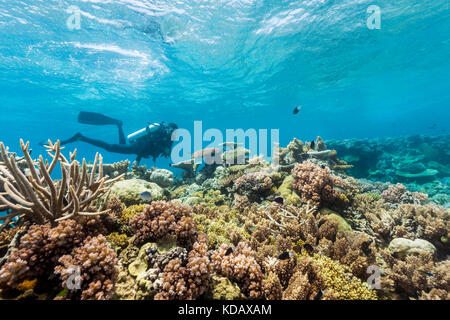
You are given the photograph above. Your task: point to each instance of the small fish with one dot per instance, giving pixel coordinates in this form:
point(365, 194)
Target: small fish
point(297, 249)
point(312, 145)
point(308, 248)
point(297, 109)
point(252, 228)
point(365, 247)
point(146, 196)
point(444, 182)
point(279, 200)
point(319, 295)
point(285, 255)
point(230, 145)
point(229, 251)
point(427, 273)
point(323, 166)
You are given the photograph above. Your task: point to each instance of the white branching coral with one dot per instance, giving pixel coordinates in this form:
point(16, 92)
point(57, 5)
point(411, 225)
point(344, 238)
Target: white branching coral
point(35, 195)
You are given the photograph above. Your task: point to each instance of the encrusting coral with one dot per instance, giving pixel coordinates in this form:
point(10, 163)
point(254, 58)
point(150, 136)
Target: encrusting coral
point(43, 200)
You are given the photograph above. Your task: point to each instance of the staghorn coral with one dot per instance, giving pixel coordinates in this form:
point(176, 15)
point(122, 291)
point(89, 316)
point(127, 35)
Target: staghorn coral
point(355, 250)
point(161, 218)
point(43, 200)
point(187, 282)
point(240, 266)
point(440, 283)
point(305, 282)
point(314, 183)
point(94, 266)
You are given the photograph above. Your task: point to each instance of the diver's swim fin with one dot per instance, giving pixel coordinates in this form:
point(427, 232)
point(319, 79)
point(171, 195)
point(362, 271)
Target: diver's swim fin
point(97, 119)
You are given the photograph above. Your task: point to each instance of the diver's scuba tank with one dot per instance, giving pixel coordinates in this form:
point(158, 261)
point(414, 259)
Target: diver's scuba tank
point(144, 131)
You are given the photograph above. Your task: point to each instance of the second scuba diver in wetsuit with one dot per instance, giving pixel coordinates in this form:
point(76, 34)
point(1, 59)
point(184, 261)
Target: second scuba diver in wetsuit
point(153, 141)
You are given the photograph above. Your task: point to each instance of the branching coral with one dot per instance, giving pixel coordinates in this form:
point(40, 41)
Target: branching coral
point(339, 279)
point(39, 251)
point(240, 265)
point(92, 267)
point(187, 282)
point(43, 200)
point(407, 277)
point(255, 186)
point(161, 218)
point(398, 194)
point(372, 216)
point(429, 222)
point(314, 183)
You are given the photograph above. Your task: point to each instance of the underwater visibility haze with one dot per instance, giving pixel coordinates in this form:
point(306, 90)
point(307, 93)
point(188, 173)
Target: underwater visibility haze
point(355, 206)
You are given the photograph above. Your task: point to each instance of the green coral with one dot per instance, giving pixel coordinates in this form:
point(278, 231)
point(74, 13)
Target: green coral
point(226, 230)
point(130, 212)
point(287, 192)
point(119, 240)
point(129, 191)
point(343, 226)
point(221, 288)
point(211, 198)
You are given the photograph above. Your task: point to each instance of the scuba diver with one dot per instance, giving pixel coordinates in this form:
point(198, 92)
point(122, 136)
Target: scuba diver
point(151, 141)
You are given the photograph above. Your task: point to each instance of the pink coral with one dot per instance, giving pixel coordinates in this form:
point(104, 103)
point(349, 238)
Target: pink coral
point(240, 266)
point(190, 281)
point(162, 218)
point(314, 183)
point(39, 251)
point(96, 263)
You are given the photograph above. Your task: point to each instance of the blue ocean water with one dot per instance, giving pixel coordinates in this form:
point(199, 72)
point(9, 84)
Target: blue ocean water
point(232, 64)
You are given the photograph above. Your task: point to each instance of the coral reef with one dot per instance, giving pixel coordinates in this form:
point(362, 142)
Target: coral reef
point(300, 228)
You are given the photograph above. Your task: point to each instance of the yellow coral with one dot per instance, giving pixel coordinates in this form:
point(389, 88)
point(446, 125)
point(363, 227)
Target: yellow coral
point(130, 212)
point(211, 198)
point(118, 239)
point(340, 280)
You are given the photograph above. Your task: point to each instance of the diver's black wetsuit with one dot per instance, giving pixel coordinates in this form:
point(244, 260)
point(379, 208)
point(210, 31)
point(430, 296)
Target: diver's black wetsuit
point(153, 144)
